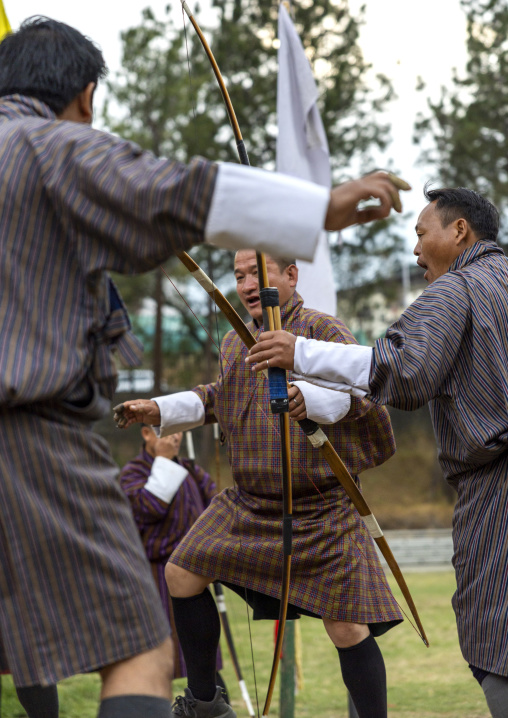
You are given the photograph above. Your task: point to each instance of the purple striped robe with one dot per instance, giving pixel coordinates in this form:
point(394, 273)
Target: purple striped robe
point(75, 203)
point(450, 348)
point(162, 526)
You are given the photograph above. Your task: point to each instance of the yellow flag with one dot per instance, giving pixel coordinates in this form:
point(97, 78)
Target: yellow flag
point(5, 25)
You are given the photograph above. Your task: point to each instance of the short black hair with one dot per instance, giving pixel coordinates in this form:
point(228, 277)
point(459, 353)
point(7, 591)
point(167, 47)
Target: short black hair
point(283, 262)
point(459, 202)
point(49, 61)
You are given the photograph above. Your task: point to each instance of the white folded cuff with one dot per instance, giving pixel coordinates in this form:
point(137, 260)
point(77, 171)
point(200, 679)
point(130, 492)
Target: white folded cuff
point(343, 367)
point(338, 387)
point(266, 211)
point(324, 406)
point(180, 412)
point(165, 478)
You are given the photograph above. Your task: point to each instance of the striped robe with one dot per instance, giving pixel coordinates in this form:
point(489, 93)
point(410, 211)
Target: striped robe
point(76, 591)
point(335, 570)
point(450, 348)
point(162, 526)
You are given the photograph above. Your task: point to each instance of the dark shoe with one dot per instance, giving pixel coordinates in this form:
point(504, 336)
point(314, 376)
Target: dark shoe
point(190, 707)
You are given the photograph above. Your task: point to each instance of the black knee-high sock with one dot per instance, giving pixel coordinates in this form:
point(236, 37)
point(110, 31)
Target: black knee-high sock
point(39, 701)
point(133, 706)
point(363, 672)
point(198, 626)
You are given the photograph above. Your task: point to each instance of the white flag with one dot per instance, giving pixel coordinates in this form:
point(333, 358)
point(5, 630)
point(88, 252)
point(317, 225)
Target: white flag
point(302, 151)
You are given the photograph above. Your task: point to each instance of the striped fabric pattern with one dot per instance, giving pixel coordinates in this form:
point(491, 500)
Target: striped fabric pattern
point(450, 348)
point(335, 570)
point(162, 526)
point(77, 202)
point(76, 591)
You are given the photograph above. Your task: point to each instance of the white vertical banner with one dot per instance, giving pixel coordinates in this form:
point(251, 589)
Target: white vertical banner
point(302, 151)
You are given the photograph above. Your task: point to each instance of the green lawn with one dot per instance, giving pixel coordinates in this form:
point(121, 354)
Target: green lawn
point(423, 682)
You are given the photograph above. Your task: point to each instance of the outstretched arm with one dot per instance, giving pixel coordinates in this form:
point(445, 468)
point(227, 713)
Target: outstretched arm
point(405, 369)
point(172, 413)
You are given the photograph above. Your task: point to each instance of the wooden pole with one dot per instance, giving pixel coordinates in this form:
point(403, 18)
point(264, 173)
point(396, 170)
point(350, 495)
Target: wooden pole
point(287, 673)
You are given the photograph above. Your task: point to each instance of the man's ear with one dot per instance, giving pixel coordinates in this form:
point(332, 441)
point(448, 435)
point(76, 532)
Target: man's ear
point(81, 108)
point(85, 103)
point(462, 230)
point(292, 271)
point(146, 433)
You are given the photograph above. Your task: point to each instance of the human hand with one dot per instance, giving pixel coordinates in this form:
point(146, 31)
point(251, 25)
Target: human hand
point(142, 411)
point(297, 408)
point(273, 348)
point(343, 207)
point(168, 446)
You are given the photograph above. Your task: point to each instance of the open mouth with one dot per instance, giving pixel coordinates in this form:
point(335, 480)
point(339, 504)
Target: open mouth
point(252, 301)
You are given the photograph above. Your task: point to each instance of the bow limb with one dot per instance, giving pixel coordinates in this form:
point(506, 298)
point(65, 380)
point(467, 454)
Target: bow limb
point(242, 152)
point(279, 402)
point(319, 440)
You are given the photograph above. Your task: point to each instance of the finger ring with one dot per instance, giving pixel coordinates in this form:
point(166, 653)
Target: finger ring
point(296, 402)
point(267, 364)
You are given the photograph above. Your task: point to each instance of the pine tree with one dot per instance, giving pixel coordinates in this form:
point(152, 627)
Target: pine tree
point(469, 122)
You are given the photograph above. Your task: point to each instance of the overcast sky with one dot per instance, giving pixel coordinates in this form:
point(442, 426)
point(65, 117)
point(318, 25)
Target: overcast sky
point(400, 38)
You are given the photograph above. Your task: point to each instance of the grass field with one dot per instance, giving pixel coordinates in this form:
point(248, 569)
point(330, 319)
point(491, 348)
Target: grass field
point(423, 682)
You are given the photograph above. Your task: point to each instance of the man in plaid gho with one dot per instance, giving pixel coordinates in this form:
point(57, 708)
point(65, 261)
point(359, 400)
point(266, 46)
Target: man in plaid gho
point(335, 572)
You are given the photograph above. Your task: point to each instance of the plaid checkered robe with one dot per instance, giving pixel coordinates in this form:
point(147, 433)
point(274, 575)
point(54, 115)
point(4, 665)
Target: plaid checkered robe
point(162, 526)
point(76, 592)
point(450, 348)
point(335, 570)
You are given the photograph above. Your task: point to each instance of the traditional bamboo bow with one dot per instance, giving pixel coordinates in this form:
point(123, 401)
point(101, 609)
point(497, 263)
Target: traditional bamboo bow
point(315, 435)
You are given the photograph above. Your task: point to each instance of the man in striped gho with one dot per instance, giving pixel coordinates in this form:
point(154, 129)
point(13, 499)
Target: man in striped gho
point(335, 572)
point(76, 593)
point(450, 349)
point(167, 493)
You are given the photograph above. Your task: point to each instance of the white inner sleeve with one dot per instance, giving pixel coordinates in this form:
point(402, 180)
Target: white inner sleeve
point(334, 386)
point(324, 406)
point(266, 211)
point(347, 366)
point(165, 479)
point(180, 412)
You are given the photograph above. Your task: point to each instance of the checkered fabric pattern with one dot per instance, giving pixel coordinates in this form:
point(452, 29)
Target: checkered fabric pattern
point(335, 570)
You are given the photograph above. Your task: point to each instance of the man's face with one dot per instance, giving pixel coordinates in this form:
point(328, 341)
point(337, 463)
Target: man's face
point(154, 444)
point(437, 247)
point(173, 441)
point(247, 284)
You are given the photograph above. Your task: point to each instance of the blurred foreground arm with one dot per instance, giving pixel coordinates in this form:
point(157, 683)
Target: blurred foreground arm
point(282, 215)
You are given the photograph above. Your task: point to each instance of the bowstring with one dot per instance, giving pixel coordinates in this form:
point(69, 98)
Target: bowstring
point(217, 345)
